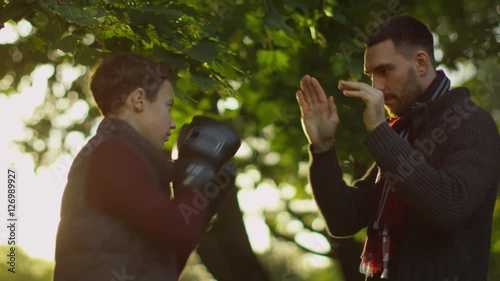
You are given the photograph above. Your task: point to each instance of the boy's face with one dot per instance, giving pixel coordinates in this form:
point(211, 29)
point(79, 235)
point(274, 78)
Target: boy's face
point(156, 119)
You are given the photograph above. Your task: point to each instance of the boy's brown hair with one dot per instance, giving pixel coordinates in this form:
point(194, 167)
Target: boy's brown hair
point(116, 76)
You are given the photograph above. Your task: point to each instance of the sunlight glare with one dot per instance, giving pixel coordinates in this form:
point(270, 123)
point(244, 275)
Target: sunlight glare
point(6, 82)
point(89, 39)
point(244, 181)
point(17, 131)
point(39, 145)
point(272, 158)
point(42, 73)
point(269, 196)
point(74, 141)
point(55, 139)
point(313, 241)
point(24, 28)
point(244, 152)
point(62, 104)
point(8, 34)
point(283, 217)
point(254, 173)
point(61, 121)
point(294, 226)
point(58, 89)
point(67, 74)
point(175, 152)
point(43, 195)
point(260, 144)
point(78, 112)
point(464, 72)
point(221, 106)
point(318, 224)
point(229, 103)
point(303, 205)
point(258, 233)
point(288, 191)
point(235, 84)
point(232, 103)
point(303, 169)
point(315, 261)
point(249, 201)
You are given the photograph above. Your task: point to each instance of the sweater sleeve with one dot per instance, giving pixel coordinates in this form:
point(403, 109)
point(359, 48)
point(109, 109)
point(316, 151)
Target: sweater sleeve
point(443, 197)
point(121, 186)
point(346, 209)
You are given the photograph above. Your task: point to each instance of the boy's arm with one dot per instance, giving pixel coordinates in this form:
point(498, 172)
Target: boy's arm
point(121, 186)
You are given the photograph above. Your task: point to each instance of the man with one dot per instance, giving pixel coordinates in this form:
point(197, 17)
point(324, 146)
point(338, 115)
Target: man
point(119, 220)
point(429, 198)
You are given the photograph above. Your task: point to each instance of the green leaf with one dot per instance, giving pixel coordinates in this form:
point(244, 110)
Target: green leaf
point(303, 5)
point(183, 85)
point(87, 55)
point(37, 44)
point(205, 51)
point(203, 81)
point(338, 17)
point(120, 44)
point(165, 12)
point(177, 61)
point(67, 44)
point(96, 12)
point(225, 69)
point(273, 59)
point(281, 39)
point(12, 11)
point(274, 19)
point(89, 16)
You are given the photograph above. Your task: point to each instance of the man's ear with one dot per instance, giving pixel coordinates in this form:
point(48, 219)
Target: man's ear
point(422, 63)
point(137, 99)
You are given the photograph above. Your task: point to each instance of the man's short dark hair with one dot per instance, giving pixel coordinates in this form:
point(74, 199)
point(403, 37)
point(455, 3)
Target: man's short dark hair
point(406, 33)
point(116, 76)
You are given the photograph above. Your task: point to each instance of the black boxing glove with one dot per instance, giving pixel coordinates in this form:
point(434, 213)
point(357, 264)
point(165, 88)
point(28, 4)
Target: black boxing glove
point(204, 146)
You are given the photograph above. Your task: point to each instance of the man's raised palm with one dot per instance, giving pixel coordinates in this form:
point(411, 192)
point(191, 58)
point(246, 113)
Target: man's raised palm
point(319, 114)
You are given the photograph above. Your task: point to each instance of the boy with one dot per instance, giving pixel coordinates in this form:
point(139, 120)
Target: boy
point(118, 218)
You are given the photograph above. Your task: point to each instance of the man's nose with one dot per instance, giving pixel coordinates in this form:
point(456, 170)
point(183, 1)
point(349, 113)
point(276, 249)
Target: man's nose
point(378, 84)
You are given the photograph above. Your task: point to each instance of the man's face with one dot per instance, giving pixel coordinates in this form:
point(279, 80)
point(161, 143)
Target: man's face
point(156, 120)
point(394, 75)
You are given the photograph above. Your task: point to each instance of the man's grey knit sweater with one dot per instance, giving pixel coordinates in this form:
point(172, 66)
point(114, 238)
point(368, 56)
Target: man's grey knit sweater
point(447, 175)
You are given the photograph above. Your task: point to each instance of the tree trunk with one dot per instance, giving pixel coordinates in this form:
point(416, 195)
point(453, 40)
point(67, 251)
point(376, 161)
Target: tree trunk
point(225, 250)
point(347, 251)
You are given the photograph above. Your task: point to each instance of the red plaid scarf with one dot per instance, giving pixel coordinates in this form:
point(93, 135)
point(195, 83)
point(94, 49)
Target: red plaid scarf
point(388, 226)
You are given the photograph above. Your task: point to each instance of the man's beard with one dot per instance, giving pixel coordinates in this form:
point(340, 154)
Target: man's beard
point(411, 90)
